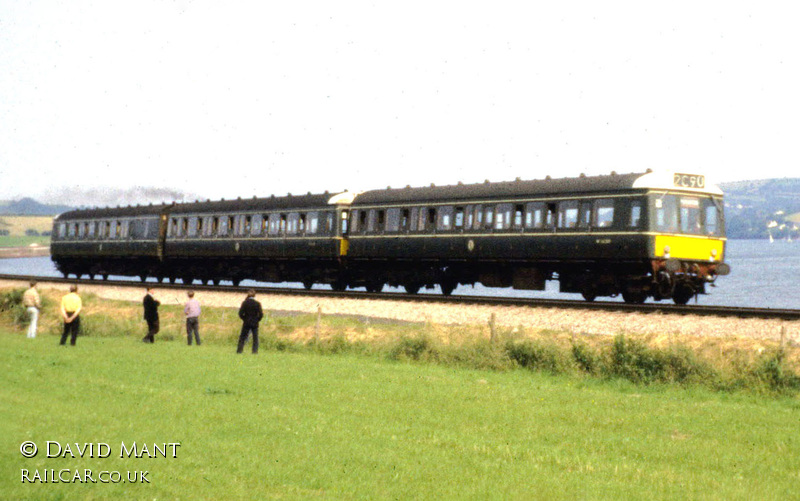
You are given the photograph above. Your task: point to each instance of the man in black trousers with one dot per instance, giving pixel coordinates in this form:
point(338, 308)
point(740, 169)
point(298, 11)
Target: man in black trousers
point(251, 314)
point(151, 305)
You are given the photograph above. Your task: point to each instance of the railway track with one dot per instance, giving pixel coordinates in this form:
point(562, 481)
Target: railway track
point(664, 308)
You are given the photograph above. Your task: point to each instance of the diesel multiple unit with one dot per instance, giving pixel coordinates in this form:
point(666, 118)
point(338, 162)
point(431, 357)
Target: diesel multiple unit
point(652, 234)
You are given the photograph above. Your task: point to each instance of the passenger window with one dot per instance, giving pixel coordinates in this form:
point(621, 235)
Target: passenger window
point(568, 214)
point(712, 222)
point(585, 215)
point(282, 225)
point(301, 228)
point(313, 219)
point(445, 218)
point(248, 225)
point(603, 213)
point(292, 223)
point(380, 221)
point(344, 222)
point(214, 226)
point(184, 227)
point(478, 224)
point(229, 227)
point(362, 221)
point(518, 211)
point(431, 217)
point(636, 215)
point(405, 217)
point(458, 222)
point(488, 217)
point(534, 215)
point(393, 220)
point(550, 217)
point(200, 228)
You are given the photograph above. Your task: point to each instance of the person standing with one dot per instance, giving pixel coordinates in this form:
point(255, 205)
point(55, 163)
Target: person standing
point(71, 307)
point(251, 314)
point(192, 312)
point(32, 302)
point(151, 305)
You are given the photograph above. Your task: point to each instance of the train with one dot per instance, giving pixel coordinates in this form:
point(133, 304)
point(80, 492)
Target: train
point(652, 234)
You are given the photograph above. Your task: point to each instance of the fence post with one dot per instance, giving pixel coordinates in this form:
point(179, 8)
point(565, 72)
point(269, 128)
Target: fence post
point(783, 337)
point(492, 328)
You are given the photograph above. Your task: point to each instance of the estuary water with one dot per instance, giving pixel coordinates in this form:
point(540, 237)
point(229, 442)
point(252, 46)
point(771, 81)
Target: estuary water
point(763, 274)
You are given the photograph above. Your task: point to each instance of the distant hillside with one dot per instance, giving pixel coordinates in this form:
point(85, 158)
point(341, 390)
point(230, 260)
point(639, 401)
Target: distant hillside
point(756, 209)
point(30, 207)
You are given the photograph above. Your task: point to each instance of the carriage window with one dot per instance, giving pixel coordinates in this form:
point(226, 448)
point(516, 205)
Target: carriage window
point(666, 214)
point(313, 222)
point(282, 224)
point(478, 223)
point(488, 217)
point(550, 217)
point(534, 215)
point(173, 227)
point(405, 217)
point(248, 225)
point(690, 216)
point(518, 211)
point(231, 222)
point(586, 215)
point(92, 229)
point(712, 218)
point(344, 222)
point(393, 220)
point(431, 217)
point(458, 220)
point(503, 217)
point(200, 228)
point(603, 213)
point(81, 230)
point(445, 219)
point(184, 226)
point(568, 214)
point(124, 229)
point(292, 223)
point(380, 221)
point(214, 225)
point(362, 220)
point(636, 214)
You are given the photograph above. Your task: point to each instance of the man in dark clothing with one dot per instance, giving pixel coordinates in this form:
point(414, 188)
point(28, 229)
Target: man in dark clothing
point(251, 314)
point(151, 305)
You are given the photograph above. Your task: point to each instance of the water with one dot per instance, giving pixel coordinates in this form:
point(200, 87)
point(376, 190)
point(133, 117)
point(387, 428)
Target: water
point(765, 275)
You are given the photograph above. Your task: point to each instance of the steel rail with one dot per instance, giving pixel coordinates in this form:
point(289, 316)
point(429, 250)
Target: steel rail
point(663, 308)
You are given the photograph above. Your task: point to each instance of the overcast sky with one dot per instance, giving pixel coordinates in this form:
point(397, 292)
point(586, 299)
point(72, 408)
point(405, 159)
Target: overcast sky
point(227, 99)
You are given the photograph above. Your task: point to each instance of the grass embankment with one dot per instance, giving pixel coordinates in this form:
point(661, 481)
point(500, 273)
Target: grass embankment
point(289, 423)
point(18, 225)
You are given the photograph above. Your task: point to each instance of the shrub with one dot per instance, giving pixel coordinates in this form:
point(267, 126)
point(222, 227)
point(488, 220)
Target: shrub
point(535, 355)
point(585, 358)
point(413, 348)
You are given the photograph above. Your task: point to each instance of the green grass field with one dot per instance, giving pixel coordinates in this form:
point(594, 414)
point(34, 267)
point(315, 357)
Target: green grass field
point(17, 226)
point(300, 426)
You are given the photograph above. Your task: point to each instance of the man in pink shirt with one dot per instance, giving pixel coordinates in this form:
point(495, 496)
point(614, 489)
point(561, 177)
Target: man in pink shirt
point(192, 312)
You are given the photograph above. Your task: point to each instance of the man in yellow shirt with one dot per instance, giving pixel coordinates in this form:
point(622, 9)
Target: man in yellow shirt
point(70, 310)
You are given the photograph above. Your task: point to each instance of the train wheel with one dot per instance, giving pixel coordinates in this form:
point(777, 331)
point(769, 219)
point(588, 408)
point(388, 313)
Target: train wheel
point(683, 293)
point(634, 297)
point(236, 282)
point(411, 288)
point(589, 295)
point(339, 286)
point(375, 287)
point(448, 286)
point(187, 280)
point(308, 284)
point(105, 276)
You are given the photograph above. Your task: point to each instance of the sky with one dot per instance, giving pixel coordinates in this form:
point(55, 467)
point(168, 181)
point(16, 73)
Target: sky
point(241, 99)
